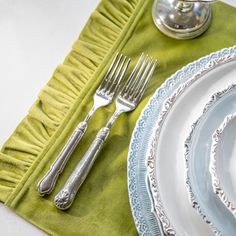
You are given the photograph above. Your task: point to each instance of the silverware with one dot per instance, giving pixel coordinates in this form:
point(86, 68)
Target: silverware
point(126, 101)
point(103, 96)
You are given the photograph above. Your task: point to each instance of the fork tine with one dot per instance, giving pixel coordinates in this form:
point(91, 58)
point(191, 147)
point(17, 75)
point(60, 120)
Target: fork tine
point(137, 77)
point(142, 90)
point(113, 82)
point(120, 75)
point(142, 79)
point(109, 70)
point(111, 76)
point(127, 83)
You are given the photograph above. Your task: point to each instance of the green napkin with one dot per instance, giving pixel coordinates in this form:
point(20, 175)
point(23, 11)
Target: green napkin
point(102, 204)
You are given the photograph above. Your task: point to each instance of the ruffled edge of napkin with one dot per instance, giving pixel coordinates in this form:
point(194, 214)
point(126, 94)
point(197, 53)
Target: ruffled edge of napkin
point(58, 101)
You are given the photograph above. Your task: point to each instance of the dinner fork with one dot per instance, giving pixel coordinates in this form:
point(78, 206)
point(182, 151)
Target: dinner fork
point(126, 101)
point(102, 97)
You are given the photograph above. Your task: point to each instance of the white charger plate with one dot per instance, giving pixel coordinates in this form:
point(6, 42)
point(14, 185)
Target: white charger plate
point(223, 162)
point(165, 158)
point(141, 204)
point(198, 150)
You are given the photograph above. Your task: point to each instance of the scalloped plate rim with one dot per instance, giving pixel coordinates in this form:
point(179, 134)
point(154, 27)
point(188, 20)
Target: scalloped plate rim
point(218, 187)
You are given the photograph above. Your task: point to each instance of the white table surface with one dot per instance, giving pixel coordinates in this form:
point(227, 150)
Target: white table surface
point(35, 36)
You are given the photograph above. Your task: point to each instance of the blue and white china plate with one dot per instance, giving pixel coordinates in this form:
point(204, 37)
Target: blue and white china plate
point(223, 162)
point(197, 154)
point(144, 212)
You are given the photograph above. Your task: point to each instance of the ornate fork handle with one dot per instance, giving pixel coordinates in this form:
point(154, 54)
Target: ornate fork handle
point(103, 96)
point(47, 183)
point(65, 197)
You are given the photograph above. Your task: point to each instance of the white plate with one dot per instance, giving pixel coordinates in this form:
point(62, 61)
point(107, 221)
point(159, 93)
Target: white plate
point(165, 160)
point(198, 149)
point(223, 162)
point(140, 201)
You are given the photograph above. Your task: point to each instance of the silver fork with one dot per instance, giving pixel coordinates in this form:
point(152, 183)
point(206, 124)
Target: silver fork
point(103, 96)
point(126, 101)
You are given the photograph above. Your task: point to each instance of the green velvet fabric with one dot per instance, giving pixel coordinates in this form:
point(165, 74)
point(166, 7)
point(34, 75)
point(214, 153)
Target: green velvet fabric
point(102, 204)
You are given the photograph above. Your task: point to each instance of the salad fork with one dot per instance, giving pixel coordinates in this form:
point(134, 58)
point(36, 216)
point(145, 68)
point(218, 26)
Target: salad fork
point(126, 101)
point(102, 97)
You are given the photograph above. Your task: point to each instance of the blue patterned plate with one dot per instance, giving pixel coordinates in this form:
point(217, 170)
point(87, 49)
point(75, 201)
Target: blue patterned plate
point(140, 198)
point(198, 149)
point(222, 162)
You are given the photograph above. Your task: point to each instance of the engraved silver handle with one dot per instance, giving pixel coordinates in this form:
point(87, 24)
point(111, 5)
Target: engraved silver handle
point(47, 183)
point(65, 197)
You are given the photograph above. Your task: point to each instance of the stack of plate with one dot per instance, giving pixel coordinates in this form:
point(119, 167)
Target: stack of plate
point(182, 157)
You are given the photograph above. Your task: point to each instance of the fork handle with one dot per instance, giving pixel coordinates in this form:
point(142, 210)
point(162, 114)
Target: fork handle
point(66, 196)
point(47, 183)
